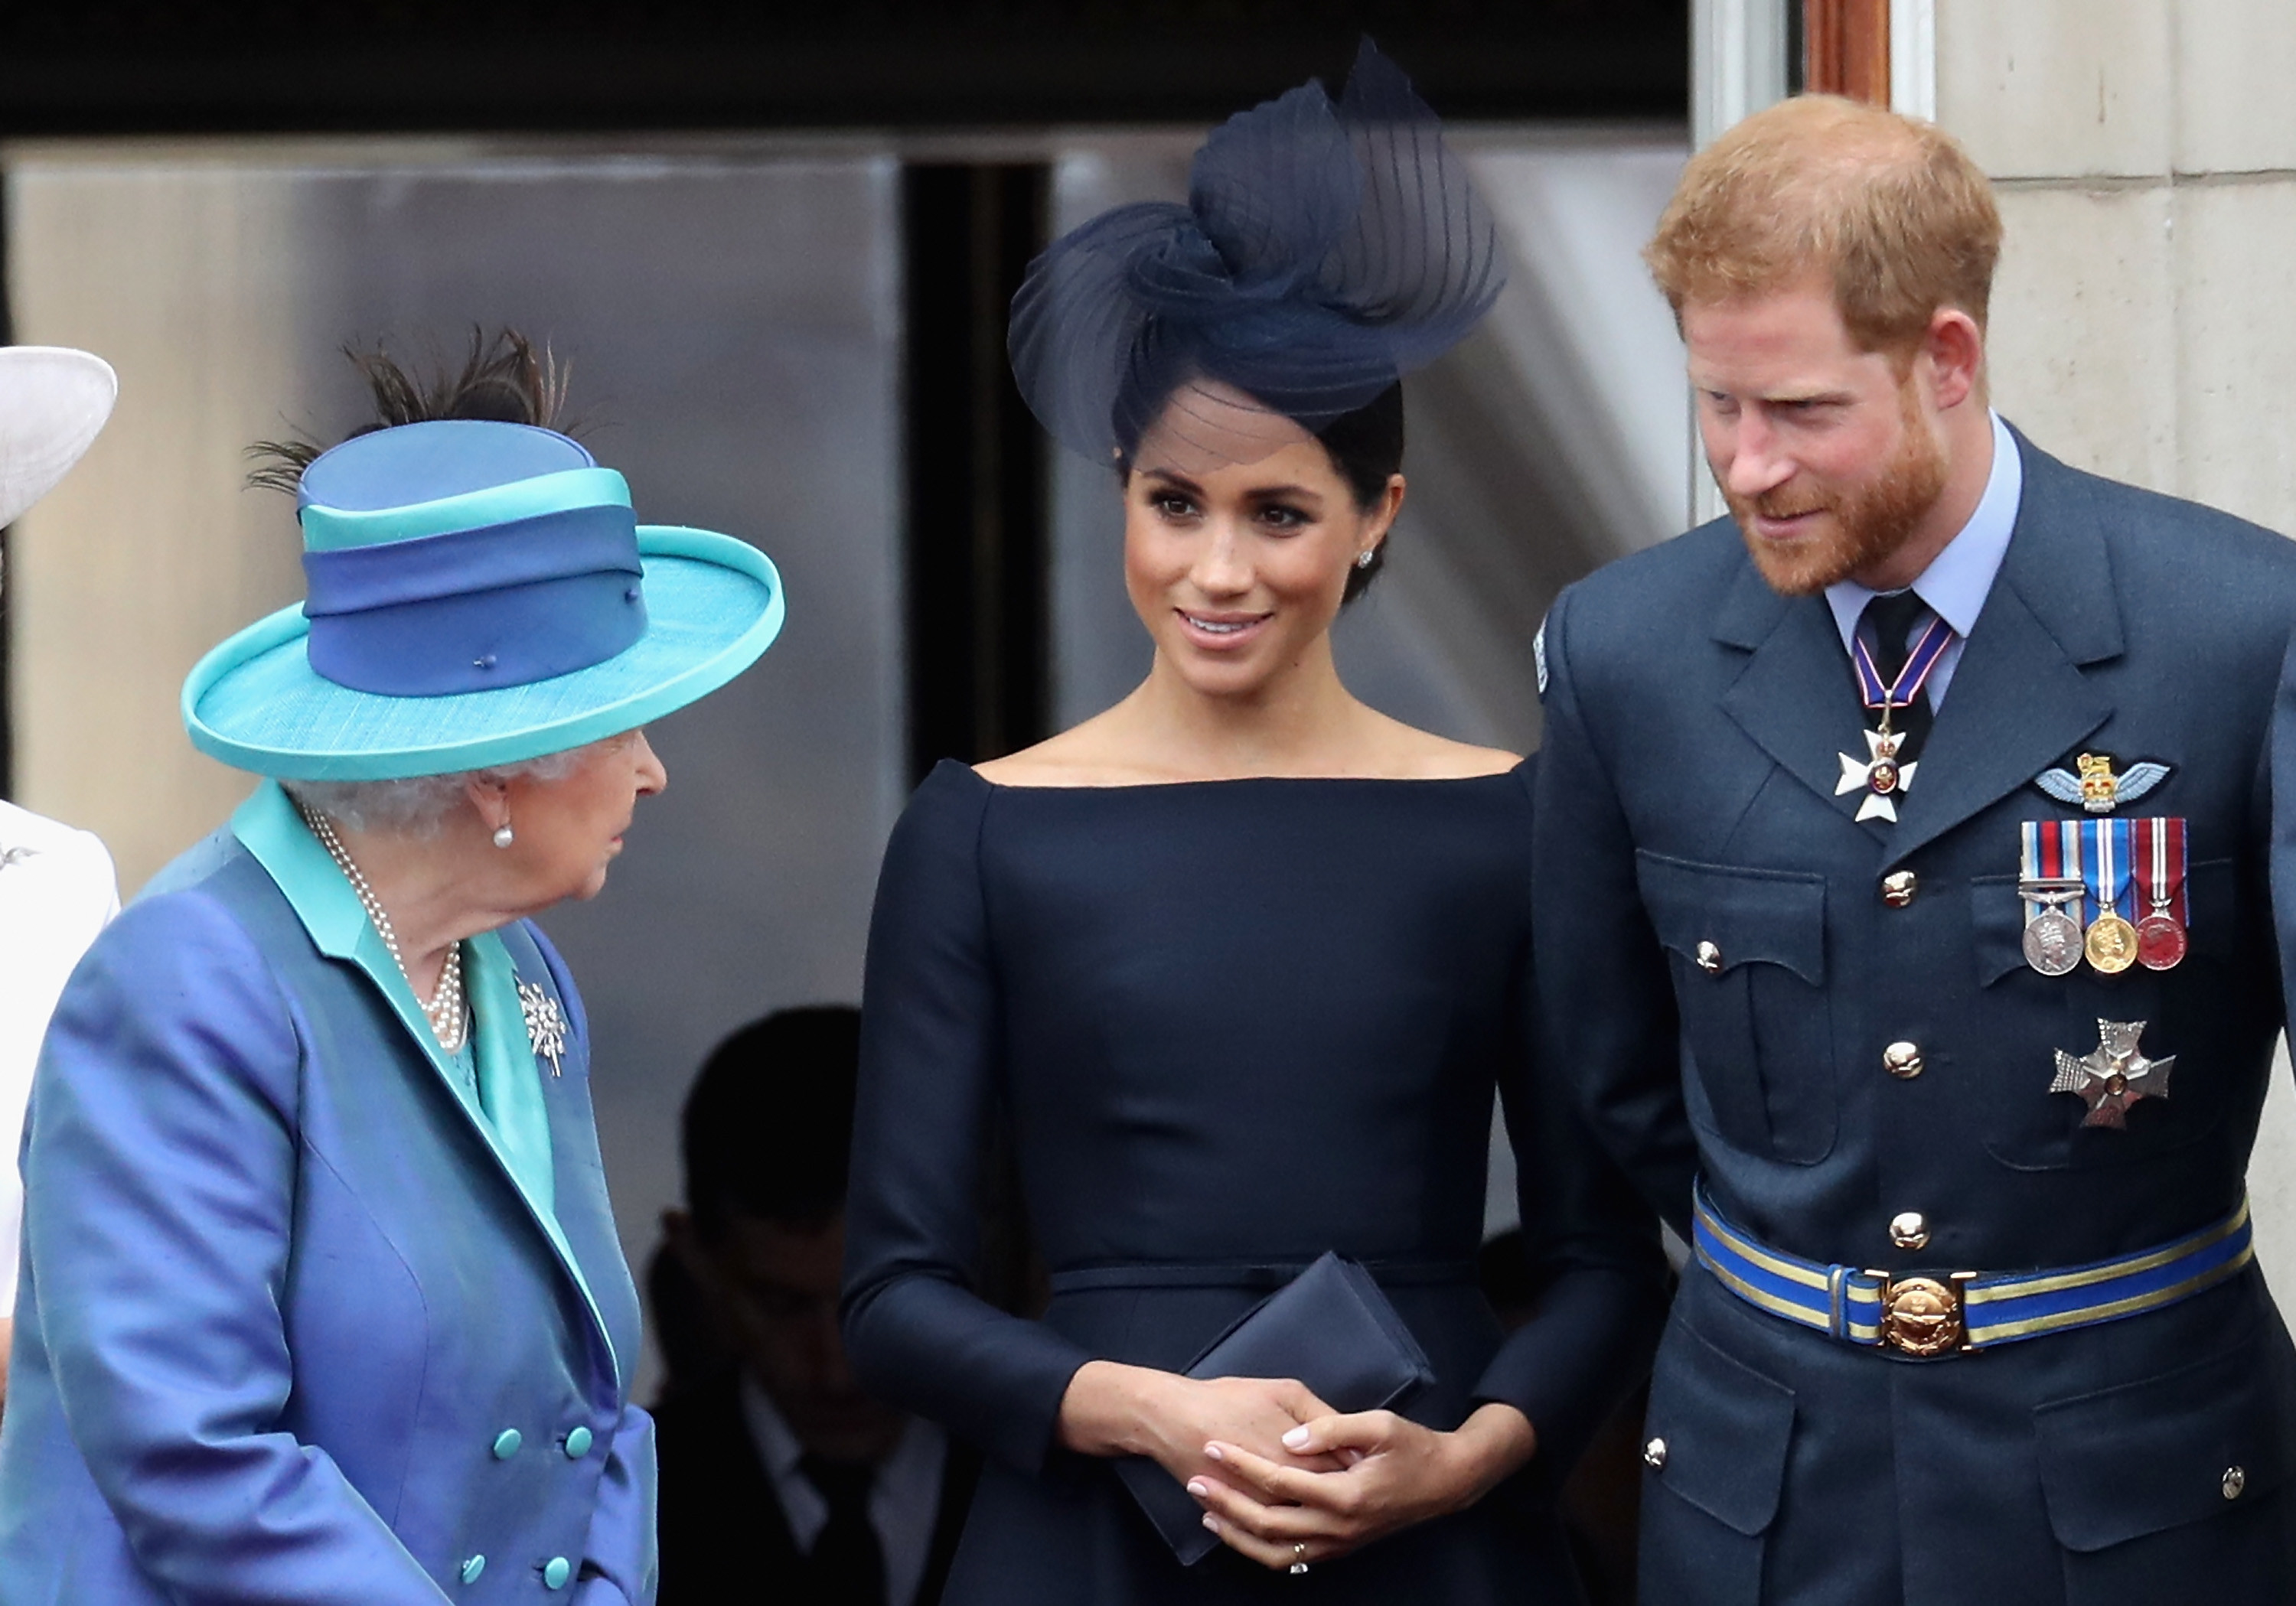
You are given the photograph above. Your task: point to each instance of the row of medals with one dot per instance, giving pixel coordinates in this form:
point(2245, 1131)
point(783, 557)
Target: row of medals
point(2055, 945)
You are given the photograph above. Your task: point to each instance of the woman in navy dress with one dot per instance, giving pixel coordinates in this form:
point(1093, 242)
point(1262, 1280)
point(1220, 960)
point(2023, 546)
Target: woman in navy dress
point(1241, 959)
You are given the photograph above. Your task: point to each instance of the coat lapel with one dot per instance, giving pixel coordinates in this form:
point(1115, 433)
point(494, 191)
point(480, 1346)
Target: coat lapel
point(580, 1227)
point(1794, 697)
point(2019, 702)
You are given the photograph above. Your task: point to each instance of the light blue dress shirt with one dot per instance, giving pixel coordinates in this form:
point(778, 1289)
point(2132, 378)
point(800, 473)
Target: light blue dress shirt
point(1958, 579)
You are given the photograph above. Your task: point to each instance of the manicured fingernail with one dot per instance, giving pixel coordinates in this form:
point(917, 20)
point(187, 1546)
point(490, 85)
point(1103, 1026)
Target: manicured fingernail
point(1211, 1522)
point(1199, 1488)
point(1212, 1453)
point(1296, 1439)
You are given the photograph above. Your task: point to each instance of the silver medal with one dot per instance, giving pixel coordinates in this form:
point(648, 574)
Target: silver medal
point(2052, 939)
point(2053, 943)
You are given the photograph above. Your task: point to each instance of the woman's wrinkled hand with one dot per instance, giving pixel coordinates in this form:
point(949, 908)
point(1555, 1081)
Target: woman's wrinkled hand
point(1389, 1473)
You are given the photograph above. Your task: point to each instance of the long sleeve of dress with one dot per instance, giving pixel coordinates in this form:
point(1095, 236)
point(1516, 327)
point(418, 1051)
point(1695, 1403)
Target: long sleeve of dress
point(1598, 1267)
point(160, 1180)
point(916, 1332)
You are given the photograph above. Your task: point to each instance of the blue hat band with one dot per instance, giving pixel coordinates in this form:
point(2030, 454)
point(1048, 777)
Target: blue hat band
point(475, 609)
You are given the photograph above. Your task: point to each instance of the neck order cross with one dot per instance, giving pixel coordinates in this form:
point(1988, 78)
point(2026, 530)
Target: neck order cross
point(448, 1014)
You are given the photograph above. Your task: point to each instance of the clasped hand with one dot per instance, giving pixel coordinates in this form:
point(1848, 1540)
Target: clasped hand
point(1275, 1467)
point(1341, 1482)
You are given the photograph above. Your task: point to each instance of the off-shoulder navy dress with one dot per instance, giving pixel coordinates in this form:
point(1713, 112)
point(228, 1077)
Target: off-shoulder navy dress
point(1235, 1024)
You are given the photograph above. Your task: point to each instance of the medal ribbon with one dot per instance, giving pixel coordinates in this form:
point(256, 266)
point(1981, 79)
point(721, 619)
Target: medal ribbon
point(2053, 853)
point(2110, 875)
point(2161, 853)
point(1900, 693)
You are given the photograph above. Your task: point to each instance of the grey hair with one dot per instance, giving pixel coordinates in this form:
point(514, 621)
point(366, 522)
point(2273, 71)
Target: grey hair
point(419, 805)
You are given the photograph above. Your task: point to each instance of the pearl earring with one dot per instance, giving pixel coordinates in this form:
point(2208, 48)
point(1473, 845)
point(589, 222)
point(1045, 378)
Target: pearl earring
point(503, 837)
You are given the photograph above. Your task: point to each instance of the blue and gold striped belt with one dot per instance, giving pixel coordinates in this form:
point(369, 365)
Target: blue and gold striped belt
point(1945, 1313)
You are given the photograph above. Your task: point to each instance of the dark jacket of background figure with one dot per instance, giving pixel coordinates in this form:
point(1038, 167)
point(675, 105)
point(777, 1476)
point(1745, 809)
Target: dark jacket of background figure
point(724, 1537)
point(1236, 1022)
point(1686, 796)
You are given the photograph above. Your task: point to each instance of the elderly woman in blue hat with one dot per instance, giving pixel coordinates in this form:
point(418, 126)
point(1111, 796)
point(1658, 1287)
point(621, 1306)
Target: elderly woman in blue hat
point(323, 1299)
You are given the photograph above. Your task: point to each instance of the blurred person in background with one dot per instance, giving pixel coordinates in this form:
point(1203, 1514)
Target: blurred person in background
point(322, 1298)
point(782, 1482)
point(57, 887)
point(1243, 959)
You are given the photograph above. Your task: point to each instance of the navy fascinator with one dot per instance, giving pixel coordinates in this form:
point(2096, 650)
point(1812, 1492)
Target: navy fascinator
point(1326, 250)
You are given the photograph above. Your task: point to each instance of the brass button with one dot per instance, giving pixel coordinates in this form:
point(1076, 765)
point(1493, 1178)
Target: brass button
point(1654, 1457)
point(1902, 1060)
point(2235, 1479)
point(1899, 887)
point(1709, 959)
point(1909, 1231)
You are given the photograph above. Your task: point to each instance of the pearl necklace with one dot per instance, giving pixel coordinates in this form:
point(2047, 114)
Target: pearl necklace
point(448, 1014)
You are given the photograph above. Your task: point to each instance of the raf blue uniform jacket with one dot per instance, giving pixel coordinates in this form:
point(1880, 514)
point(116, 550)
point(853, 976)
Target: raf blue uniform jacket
point(288, 1330)
point(1686, 796)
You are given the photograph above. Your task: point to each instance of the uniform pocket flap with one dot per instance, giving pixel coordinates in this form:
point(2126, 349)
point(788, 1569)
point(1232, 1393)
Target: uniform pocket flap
point(1725, 1428)
point(2177, 1448)
point(1748, 916)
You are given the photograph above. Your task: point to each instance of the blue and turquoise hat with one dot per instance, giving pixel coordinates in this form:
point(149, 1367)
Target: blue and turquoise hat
point(478, 594)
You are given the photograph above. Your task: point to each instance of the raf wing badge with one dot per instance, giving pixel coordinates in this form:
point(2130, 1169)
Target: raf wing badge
point(2097, 788)
point(2113, 1075)
point(1880, 776)
point(545, 1023)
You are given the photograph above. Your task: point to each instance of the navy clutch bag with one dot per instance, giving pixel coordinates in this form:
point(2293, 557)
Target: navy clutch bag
point(1332, 1329)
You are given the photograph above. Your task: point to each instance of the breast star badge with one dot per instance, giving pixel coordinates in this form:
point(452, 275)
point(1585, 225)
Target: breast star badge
point(2096, 789)
point(545, 1022)
point(2113, 1075)
point(1881, 778)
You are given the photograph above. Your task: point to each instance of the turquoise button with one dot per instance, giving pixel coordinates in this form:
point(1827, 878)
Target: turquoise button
point(556, 1571)
point(472, 1568)
point(507, 1444)
point(577, 1443)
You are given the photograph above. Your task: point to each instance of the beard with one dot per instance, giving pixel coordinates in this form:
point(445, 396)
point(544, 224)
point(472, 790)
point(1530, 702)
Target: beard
point(1868, 522)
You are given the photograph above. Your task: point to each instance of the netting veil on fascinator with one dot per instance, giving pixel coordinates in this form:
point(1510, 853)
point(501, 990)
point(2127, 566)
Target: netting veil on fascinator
point(1326, 250)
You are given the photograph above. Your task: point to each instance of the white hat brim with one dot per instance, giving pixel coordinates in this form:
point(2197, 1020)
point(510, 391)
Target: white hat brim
point(54, 401)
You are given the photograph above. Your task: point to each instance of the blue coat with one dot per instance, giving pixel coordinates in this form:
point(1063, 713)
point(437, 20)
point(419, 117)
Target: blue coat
point(1687, 798)
point(290, 1330)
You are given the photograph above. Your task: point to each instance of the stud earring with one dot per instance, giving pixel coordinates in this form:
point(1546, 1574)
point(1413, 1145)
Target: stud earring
point(1363, 559)
point(503, 836)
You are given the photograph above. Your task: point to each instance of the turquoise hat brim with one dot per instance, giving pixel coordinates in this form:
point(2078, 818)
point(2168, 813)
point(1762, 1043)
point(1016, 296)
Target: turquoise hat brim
point(713, 605)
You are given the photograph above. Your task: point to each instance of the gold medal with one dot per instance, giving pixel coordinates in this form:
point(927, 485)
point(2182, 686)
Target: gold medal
point(2110, 944)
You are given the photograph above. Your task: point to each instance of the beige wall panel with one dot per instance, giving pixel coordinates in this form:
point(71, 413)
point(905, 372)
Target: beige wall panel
point(2236, 345)
point(183, 275)
point(2235, 60)
point(2058, 88)
point(2083, 341)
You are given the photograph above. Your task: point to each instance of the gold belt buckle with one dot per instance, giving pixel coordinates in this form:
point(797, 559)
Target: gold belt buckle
point(1921, 1315)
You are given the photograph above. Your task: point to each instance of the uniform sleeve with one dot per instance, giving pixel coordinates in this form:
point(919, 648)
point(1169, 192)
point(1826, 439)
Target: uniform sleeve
point(1606, 1010)
point(916, 1332)
point(160, 1165)
point(1598, 1272)
point(2276, 780)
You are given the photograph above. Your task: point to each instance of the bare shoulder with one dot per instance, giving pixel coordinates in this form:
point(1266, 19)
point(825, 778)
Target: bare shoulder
point(1410, 753)
point(1089, 754)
